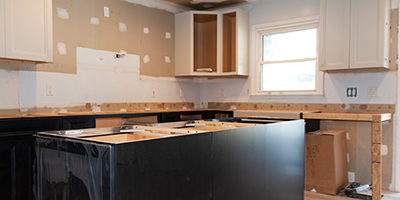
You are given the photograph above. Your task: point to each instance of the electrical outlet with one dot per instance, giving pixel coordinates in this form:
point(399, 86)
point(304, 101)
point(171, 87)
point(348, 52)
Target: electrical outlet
point(49, 89)
point(181, 93)
point(352, 177)
point(351, 92)
point(153, 93)
point(222, 93)
point(373, 92)
point(106, 11)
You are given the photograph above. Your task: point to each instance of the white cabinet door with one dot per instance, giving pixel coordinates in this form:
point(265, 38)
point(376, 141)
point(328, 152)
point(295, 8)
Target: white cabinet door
point(354, 34)
point(2, 34)
point(28, 30)
point(369, 34)
point(334, 34)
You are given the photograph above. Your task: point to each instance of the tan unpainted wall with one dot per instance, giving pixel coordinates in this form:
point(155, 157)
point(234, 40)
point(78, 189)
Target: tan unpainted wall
point(78, 32)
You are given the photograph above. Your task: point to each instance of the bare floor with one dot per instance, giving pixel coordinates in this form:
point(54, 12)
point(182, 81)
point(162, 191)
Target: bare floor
point(387, 195)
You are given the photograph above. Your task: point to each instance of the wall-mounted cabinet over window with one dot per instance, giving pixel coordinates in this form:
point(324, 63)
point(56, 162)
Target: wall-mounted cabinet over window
point(211, 43)
point(26, 30)
point(354, 34)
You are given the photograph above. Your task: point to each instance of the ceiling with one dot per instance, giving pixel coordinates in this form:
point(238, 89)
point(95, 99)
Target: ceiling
point(207, 4)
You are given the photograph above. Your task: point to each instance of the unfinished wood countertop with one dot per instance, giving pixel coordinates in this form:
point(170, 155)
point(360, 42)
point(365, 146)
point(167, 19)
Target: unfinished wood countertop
point(349, 116)
point(79, 113)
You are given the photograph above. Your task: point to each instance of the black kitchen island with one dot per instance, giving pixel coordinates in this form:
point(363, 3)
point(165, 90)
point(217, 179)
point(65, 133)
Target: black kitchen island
point(180, 160)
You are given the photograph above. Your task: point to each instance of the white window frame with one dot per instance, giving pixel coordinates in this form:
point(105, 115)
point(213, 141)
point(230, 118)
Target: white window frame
point(256, 54)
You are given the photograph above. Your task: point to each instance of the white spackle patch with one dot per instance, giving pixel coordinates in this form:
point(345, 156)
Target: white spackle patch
point(63, 111)
point(94, 21)
point(122, 27)
point(146, 30)
point(96, 109)
point(167, 59)
point(146, 59)
point(62, 49)
point(62, 13)
point(384, 150)
point(167, 35)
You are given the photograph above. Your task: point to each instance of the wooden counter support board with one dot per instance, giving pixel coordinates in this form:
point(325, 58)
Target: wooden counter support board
point(376, 120)
point(376, 140)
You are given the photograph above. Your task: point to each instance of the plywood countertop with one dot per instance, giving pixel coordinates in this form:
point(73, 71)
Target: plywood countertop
point(349, 116)
point(29, 115)
point(306, 114)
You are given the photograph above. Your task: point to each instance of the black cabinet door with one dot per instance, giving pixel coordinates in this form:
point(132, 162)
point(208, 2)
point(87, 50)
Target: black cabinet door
point(15, 125)
point(78, 122)
point(17, 167)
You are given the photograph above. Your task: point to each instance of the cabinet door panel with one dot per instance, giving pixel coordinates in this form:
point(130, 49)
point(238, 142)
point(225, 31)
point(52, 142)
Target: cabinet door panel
point(78, 122)
point(2, 35)
point(9, 167)
point(334, 34)
point(28, 30)
point(16, 168)
point(368, 24)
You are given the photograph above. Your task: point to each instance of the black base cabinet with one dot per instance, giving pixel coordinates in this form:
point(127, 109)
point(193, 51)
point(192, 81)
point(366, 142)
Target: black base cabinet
point(17, 155)
point(17, 167)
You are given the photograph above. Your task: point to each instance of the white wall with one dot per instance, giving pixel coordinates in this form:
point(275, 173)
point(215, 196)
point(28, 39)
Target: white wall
point(238, 89)
point(9, 89)
point(100, 78)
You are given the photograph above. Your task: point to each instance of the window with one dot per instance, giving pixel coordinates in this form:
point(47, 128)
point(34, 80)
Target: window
point(287, 57)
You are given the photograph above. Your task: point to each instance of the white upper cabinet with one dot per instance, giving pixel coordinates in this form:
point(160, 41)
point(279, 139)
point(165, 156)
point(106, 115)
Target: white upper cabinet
point(211, 43)
point(354, 34)
point(28, 30)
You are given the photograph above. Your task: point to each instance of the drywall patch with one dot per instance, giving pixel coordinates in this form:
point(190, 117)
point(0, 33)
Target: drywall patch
point(122, 27)
point(146, 59)
point(94, 21)
point(62, 48)
point(167, 35)
point(167, 59)
point(146, 30)
point(62, 13)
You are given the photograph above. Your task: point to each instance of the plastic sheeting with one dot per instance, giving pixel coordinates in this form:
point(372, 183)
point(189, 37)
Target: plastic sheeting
point(71, 170)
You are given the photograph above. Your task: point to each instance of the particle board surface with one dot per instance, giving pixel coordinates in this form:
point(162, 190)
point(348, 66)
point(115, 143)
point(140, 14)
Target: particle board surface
point(348, 116)
point(122, 138)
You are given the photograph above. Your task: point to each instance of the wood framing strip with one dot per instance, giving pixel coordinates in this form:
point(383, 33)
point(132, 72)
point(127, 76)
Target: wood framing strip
point(376, 133)
point(376, 181)
point(376, 153)
point(376, 157)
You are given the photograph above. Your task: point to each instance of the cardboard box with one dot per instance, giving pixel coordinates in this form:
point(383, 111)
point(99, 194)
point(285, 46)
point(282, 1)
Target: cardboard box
point(326, 161)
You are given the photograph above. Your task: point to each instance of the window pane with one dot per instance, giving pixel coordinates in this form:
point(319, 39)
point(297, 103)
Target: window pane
point(288, 76)
point(290, 45)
